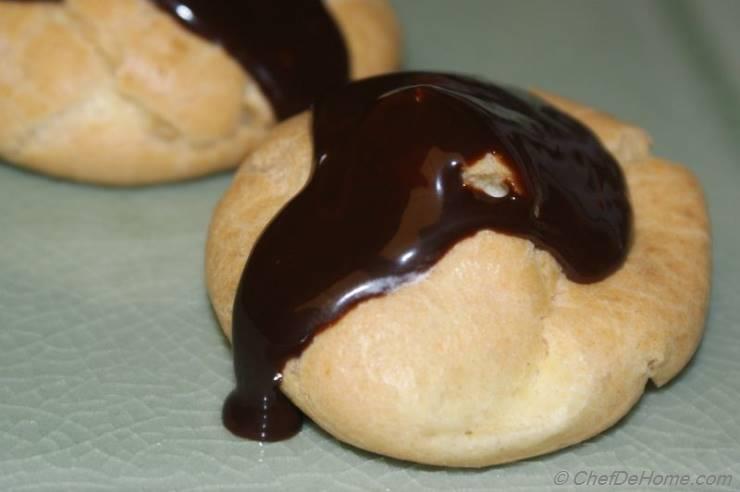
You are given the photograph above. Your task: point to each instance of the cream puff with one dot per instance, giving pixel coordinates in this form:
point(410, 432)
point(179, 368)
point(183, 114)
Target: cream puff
point(127, 92)
point(446, 271)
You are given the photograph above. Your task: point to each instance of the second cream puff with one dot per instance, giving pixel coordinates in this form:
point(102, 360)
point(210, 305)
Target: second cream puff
point(123, 93)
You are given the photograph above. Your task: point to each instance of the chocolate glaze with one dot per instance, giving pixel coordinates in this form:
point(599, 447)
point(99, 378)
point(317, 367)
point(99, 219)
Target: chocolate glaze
point(293, 49)
point(386, 200)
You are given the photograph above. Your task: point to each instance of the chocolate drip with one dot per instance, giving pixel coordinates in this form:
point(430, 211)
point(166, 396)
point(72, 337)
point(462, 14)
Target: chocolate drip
point(292, 48)
point(387, 199)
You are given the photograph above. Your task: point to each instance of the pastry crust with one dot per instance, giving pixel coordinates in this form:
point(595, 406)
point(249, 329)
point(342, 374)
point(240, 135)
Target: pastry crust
point(116, 92)
point(495, 355)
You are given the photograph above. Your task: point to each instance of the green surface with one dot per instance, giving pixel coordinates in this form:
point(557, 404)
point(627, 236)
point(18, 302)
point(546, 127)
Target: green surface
point(112, 368)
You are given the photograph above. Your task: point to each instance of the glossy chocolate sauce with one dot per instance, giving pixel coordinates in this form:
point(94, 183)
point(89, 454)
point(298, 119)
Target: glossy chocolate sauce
point(386, 200)
point(292, 48)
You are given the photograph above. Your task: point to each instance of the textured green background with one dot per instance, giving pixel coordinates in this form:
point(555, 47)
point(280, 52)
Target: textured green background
point(112, 368)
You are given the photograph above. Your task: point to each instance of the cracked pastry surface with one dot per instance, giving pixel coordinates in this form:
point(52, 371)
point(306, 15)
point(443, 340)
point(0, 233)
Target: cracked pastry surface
point(437, 372)
point(116, 92)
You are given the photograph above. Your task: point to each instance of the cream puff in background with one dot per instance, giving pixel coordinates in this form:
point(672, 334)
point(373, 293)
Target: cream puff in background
point(117, 92)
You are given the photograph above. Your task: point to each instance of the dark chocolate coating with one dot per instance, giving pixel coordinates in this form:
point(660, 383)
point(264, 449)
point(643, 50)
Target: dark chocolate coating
point(386, 200)
point(292, 48)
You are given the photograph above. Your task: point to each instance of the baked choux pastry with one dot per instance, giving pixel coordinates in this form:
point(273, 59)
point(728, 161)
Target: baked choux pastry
point(129, 92)
point(446, 271)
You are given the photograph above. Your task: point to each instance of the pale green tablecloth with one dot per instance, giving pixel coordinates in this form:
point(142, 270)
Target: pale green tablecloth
point(112, 368)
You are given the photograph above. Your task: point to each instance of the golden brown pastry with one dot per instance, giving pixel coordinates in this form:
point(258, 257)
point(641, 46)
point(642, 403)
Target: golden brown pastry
point(117, 92)
point(494, 355)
